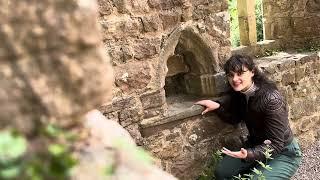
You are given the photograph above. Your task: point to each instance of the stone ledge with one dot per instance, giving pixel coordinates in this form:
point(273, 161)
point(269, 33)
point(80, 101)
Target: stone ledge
point(189, 112)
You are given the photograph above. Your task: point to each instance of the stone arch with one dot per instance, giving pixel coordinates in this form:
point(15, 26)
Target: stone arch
point(197, 54)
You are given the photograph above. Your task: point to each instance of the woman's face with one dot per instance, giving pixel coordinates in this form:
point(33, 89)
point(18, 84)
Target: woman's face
point(240, 81)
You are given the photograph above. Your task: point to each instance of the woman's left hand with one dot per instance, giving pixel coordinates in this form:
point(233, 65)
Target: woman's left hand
point(236, 154)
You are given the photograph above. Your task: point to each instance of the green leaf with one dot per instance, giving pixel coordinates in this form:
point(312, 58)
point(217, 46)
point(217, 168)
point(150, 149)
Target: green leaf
point(52, 131)
point(57, 149)
point(10, 172)
point(11, 146)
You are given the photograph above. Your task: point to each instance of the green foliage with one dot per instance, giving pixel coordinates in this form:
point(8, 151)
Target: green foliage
point(255, 172)
point(234, 22)
point(309, 47)
point(208, 172)
point(12, 148)
point(259, 20)
point(54, 161)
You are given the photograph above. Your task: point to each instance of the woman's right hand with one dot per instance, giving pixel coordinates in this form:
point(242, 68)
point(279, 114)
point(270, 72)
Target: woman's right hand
point(209, 105)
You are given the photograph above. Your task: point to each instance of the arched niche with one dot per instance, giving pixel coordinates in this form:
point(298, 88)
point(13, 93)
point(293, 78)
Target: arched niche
point(190, 66)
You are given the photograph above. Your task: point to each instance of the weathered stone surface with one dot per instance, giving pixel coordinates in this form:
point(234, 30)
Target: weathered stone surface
point(291, 21)
point(151, 23)
point(120, 51)
point(299, 73)
point(51, 61)
point(288, 78)
point(139, 6)
point(105, 7)
point(121, 5)
point(118, 104)
point(165, 4)
point(129, 116)
point(134, 131)
point(184, 146)
point(152, 112)
point(121, 25)
point(153, 99)
point(176, 65)
point(170, 19)
point(134, 78)
point(146, 48)
point(111, 145)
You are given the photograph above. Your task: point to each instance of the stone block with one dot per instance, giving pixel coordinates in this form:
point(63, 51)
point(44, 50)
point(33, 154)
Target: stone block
point(139, 6)
point(105, 7)
point(129, 116)
point(153, 112)
point(286, 64)
point(120, 51)
point(305, 59)
point(316, 67)
point(221, 83)
point(134, 131)
point(146, 48)
point(153, 99)
point(165, 4)
point(299, 73)
point(121, 5)
point(53, 51)
point(121, 26)
point(151, 23)
point(288, 78)
point(170, 19)
point(132, 79)
point(309, 69)
point(176, 65)
point(118, 104)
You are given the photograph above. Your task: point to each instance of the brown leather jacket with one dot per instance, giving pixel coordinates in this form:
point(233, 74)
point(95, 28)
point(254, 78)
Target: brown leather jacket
point(266, 117)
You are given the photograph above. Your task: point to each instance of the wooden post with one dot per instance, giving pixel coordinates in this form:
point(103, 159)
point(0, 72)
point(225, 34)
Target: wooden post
point(247, 22)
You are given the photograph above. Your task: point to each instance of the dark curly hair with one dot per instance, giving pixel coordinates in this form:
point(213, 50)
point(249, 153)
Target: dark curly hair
point(236, 63)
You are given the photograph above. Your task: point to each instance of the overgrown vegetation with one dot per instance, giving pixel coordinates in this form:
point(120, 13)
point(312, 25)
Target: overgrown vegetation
point(208, 172)
point(52, 160)
point(255, 173)
point(234, 22)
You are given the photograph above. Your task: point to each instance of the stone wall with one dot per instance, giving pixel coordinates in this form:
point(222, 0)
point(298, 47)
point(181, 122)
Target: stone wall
point(294, 23)
point(141, 35)
point(298, 77)
point(53, 67)
point(185, 145)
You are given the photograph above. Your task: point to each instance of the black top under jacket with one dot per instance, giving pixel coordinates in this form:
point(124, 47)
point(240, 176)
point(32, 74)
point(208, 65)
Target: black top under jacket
point(266, 117)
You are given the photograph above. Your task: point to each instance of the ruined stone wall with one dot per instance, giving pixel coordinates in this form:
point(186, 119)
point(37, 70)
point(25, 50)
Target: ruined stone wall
point(298, 78)
point(49, 54)
point(185, 146)
point(294, 23)
point(140, 35)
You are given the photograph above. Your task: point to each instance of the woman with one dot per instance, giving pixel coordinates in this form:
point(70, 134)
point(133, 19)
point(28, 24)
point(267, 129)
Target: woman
point(256, 101)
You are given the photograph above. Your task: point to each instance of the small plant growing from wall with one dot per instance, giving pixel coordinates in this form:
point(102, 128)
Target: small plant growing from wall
point(208, 172)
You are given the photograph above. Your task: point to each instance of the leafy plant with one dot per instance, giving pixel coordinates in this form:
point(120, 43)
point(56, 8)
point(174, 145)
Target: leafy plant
point(255, 172)
point(234, 23)
point(53, 161)
point(208, 172)
point(12, 148)
point(259, 20)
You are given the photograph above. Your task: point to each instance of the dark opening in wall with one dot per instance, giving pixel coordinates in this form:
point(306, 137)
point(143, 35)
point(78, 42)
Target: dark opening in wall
point(175, 80)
